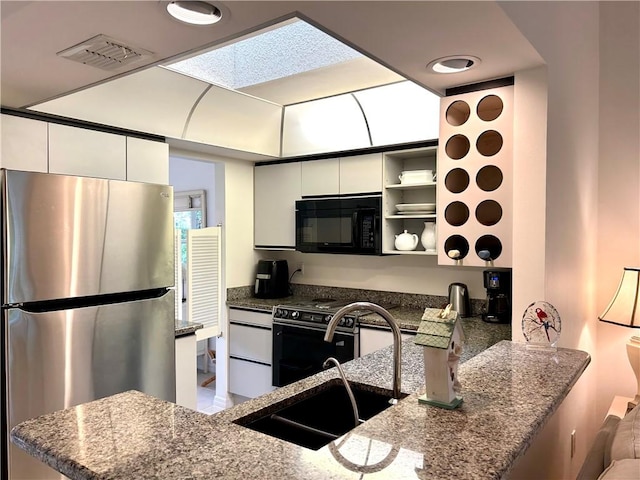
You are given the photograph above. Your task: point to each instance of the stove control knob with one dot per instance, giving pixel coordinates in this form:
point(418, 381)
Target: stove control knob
point(327, 318)
point(295, 314)
point(279, 313)
point(348, 322)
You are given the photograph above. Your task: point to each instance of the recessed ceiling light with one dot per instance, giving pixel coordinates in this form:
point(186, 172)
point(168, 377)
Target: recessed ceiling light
point(453, 64)
point(195, 13)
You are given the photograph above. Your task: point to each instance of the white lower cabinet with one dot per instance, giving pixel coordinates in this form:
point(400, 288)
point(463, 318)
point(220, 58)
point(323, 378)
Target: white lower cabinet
point(186, 372)
point(250, 346)
point(372, 339)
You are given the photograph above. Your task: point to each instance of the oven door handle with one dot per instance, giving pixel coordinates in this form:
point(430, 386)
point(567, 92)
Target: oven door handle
point(296, 367)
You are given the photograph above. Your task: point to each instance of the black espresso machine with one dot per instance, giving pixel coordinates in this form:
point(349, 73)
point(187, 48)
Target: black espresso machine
point(497, 308)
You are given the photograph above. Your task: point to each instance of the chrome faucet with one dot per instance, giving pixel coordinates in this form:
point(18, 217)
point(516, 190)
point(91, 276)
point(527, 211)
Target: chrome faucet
point(354, 406)
point(397, 339)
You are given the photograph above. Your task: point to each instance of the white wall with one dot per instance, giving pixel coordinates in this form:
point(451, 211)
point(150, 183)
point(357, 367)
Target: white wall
point(566, 34)
point(234, 193)
point(186, 174)
point(619, 186)
point(396, 273)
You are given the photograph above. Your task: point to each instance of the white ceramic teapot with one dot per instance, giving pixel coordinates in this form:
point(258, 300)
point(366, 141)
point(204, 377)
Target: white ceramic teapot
point(406, 241)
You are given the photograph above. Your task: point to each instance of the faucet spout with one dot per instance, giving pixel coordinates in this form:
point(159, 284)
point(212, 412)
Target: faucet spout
point(395, 330)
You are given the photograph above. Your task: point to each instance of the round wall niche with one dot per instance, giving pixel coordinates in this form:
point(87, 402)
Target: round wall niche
point(489, 143)
point(456, 214)
point(457, 180)
point(457, 147)
point(458, 113)
point(490, 108)
point(489, 178)
point(456, 244)
point(488, 212)
point(490, 244)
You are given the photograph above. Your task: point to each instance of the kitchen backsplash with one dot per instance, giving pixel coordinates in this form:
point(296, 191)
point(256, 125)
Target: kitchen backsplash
point(375, 296)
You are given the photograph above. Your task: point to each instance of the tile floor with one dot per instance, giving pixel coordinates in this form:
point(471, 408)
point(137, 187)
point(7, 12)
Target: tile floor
point(206, 395)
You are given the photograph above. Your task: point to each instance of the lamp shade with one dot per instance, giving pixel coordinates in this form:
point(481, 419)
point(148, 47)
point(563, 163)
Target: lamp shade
point(623, 306)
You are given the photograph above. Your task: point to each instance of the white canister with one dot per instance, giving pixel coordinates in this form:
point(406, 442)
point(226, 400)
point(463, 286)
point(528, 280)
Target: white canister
point(428, 237)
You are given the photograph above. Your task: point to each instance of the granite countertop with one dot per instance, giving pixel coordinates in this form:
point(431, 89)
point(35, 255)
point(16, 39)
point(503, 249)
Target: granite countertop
point(509, 393)
point(479, 335)
point(184, 327)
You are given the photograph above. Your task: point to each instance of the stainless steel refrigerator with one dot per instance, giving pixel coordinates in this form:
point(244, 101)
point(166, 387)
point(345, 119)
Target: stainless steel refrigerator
point(87, 306)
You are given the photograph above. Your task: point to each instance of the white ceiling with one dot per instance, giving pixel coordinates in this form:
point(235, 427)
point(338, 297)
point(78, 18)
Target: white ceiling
point(403, 36)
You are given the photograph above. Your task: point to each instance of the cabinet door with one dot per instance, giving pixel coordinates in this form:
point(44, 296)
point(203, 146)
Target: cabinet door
point(250, 343)
point(24, 144)
point(372, 339)
point(276, 189)
point(321, 177)
point(147, 161)
point(186, 372)
point(361, 174)
point(249, 379)
point(88, 153)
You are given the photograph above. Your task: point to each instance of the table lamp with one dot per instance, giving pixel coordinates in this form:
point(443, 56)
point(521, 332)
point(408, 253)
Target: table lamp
point(622, 311)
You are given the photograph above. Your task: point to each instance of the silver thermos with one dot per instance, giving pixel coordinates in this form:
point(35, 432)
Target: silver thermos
point(459, 299)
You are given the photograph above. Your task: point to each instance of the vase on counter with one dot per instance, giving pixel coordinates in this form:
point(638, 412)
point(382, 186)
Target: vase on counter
point(428, 237)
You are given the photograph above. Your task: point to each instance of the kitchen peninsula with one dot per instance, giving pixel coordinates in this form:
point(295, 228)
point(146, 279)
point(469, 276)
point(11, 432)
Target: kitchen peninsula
point(509, 393)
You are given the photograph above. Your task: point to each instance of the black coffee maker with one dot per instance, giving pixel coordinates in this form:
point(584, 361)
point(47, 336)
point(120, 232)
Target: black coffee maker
point(497, 308)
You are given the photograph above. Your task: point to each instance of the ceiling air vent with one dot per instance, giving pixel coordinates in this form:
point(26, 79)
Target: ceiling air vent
point(105, 53)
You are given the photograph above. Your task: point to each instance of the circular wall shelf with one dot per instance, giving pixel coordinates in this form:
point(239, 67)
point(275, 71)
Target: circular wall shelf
point(457, 180)
point(489, 143)
point(457, 147)
point(456, 214)
point(458, 113)
point(488, 212)
point(488, 243)
point(489, 108)
point(489, 178)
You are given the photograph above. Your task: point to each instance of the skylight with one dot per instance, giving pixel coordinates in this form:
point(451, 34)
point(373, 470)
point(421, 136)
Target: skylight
point(290, 49)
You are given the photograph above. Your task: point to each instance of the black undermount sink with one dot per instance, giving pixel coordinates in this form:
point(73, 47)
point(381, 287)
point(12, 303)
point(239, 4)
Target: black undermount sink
point(319, 415)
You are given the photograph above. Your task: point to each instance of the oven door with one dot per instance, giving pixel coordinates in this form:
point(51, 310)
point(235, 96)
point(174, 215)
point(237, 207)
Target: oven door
point(299, 352)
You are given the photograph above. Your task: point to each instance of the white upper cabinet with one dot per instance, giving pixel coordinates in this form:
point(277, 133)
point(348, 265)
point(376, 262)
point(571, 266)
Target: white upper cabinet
point(88, 153)
point(321, 177)
point(361, 174)
point(24, 144)
point(342, 176)
point(147, 161)
point(328, 125)
point(400, 113)
point(277, 187)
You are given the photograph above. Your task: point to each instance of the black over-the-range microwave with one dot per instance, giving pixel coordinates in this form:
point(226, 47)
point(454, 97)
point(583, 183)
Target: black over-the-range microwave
point(349, 224)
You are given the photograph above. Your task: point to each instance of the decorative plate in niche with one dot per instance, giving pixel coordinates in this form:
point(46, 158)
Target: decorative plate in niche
point(457, 180)
point(489, 108)
point(456, 213)
point(458, 113)
point(457, 147)
point(489, 143)
point(488, 212)
point(489, 178)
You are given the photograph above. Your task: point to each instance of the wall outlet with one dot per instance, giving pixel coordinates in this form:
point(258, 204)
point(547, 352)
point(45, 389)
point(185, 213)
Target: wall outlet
point(301, 268)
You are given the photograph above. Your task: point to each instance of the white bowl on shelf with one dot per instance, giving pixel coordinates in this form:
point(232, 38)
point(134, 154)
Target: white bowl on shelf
point(416, 207)
point(409, 177)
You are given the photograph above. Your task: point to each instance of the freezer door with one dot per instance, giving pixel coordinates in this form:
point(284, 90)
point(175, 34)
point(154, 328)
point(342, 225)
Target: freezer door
point(71, 236)
point(63, 358)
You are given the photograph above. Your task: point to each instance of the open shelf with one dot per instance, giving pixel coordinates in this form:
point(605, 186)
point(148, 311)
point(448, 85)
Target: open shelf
point(409, 186)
